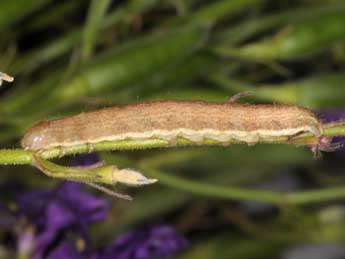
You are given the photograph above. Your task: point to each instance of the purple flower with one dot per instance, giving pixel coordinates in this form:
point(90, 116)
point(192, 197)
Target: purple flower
point(159, 241)
point(333, 115)
point(7, 219)
point(45, 221)
point(85, 160)
point(65, 250)
point(26, 242)
point(55, 212)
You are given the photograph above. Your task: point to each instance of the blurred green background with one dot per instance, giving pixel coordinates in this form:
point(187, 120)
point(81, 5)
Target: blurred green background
point(73, 56)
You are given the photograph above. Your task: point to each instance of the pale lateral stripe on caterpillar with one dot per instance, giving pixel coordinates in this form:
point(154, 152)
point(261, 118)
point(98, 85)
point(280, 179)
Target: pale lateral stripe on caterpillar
point(193, 120)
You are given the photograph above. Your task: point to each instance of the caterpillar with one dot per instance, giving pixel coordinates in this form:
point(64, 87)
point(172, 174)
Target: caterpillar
point(168, 120)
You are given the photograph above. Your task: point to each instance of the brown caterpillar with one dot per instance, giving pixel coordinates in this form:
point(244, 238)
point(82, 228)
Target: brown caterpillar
point(193, 120)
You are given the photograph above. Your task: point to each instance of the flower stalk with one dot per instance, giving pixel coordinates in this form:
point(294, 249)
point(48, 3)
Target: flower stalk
point(20, 156)
point(109, 174)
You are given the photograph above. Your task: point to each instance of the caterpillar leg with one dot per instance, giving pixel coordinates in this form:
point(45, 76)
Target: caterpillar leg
point(62, 151)
point(322, 144)
point(315, 149)
point(325, 144)
point(90, 147)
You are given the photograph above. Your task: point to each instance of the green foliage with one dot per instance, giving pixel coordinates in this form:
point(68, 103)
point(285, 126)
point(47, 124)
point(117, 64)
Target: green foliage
point(71, 57)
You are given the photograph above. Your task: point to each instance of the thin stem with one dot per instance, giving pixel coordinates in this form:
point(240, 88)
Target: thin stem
point(210, 190)
point(245, 194)
point(19, 156)
point(93, 24)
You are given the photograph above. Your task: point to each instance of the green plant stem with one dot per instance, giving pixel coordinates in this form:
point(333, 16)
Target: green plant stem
point(222, 9)
point(20, 156)
point(96, 13)
point(210, 190)
point(245, 194)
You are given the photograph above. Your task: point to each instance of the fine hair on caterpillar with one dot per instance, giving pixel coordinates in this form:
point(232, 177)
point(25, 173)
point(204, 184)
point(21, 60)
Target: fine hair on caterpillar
point(169, 120)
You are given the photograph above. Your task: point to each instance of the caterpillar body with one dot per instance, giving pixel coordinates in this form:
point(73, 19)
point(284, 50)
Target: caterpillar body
point(168, 120)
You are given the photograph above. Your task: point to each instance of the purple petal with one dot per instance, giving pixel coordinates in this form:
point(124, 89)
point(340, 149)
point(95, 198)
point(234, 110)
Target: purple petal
point(85, 160)
point(66, 208)
point(65, 250)
point(32, 204)
point(7, 219)
point(162, 241)
point(86, 206)
point(149, 242)
point(58, 215)
point(333, 115)
point(26, 242)
point(58, 218)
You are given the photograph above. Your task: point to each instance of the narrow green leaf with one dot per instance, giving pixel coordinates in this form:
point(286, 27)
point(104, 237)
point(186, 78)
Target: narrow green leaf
point(295, 41)
point(96, 14)
point(11, 11)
